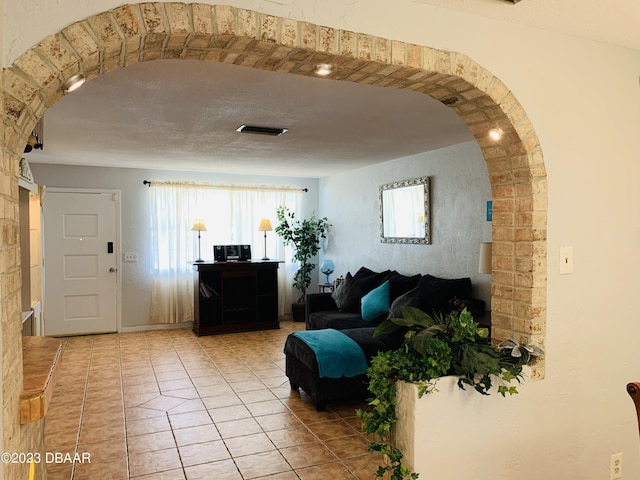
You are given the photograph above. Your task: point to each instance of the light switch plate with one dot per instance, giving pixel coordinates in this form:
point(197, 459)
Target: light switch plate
point(566, 260)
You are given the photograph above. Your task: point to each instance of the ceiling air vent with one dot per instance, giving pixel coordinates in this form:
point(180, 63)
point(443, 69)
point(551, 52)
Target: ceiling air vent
point(513, 1)
point(275, 132)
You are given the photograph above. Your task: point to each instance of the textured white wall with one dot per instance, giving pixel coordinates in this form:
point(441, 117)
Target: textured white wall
point(583, 100)
point(136, 279)
point(459, 192)
point(426, 423)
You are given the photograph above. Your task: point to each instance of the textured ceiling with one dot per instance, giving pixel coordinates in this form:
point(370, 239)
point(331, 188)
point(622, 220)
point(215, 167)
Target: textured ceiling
point(183, 115)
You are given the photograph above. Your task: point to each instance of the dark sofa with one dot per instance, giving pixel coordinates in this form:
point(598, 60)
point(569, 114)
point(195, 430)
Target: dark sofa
point(342, 310)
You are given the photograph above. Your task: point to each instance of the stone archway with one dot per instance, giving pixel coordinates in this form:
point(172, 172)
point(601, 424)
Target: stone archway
point(149, 31)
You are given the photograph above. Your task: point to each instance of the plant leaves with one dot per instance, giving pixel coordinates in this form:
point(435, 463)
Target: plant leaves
point(435, 345)
point(412, 316)
point(386, 326)
point(420, 341)
point(507, 344)
point(483, 332)
point(535, 350)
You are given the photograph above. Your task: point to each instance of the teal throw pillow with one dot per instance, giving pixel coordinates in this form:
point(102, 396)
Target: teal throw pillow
point(376, 302)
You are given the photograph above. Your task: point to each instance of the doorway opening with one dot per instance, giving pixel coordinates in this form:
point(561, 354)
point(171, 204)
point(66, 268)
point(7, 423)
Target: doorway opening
point(150, 31)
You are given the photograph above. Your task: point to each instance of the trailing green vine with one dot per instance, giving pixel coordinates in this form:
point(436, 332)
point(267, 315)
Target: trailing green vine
point(434, 346)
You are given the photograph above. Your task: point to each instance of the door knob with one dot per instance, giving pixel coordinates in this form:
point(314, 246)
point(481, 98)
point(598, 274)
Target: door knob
point(112, 269)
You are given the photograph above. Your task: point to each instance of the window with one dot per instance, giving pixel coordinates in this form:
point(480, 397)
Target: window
point(231, 216)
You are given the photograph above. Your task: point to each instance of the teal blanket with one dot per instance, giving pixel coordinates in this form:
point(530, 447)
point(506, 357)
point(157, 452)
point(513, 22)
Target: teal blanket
point(337, 355)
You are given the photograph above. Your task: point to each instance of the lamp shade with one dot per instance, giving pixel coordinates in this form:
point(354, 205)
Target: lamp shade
point(198, 226)
point(265, 225)
point(485, 258)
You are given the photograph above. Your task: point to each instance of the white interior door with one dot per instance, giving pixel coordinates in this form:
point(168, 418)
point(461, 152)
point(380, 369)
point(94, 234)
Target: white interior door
point(80, 262)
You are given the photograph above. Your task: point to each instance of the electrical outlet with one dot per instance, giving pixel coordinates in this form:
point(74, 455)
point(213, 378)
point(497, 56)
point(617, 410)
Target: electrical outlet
point(615, 468)
point(130, 257)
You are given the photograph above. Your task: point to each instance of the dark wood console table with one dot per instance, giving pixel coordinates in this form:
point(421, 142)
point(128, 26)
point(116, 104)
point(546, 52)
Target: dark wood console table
point(235, 297)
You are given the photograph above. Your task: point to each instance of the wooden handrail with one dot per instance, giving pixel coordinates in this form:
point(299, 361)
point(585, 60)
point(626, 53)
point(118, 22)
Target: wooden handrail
point(633, 389)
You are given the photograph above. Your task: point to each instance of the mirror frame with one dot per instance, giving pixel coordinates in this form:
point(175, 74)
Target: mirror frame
point(426, 240)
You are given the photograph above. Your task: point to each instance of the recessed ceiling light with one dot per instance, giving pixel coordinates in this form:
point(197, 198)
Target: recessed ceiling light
point(73, 83)
point(495, 134)
point(261, 130)
point(323, 69)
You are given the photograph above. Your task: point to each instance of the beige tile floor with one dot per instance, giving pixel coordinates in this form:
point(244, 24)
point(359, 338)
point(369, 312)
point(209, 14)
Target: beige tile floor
point(169, 405)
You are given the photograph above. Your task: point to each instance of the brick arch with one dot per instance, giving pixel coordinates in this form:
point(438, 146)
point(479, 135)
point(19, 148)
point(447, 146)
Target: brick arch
point(149, 31)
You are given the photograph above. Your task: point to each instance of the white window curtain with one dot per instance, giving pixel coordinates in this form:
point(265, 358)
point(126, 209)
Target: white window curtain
point(231, 215)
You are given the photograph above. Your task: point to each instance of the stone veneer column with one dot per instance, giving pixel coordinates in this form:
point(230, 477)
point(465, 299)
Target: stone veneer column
point(3, 154)
point(10, 319)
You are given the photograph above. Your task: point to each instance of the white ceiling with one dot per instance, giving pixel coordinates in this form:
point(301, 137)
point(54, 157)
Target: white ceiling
point(183, 114)
point(178, 114)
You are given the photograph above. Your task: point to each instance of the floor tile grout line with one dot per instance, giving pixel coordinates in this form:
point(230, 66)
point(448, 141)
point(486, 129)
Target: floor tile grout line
point(233, 458)
point(279, 450)
point(181, 347)
point(124, 413)
point(82, 410)
point(212, 421)
point(184, 468)
point(155, 374)
point(322, 442)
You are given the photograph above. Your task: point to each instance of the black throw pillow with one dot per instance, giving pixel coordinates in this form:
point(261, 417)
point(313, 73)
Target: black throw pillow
point(400, 284)
point(409, 299)
point(436, 293)
point(367, 279)
point(347, 296)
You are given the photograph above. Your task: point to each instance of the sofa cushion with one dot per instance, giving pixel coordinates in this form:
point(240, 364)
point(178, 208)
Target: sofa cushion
point(367, 279)
point(337, 320)
point(400, 284)
point(369, 344)
point(437, 293)
point(376, 302)
point(409, 299)
point(347, 296)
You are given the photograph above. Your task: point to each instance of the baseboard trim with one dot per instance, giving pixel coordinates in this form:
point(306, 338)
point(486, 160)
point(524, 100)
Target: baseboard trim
point(156, 326)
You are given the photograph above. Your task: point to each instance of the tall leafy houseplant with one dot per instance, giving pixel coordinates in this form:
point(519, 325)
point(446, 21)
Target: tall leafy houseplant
point(304, 236)
point(434, 346)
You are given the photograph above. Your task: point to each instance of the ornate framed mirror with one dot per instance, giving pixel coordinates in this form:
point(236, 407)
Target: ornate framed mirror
point(405, 212)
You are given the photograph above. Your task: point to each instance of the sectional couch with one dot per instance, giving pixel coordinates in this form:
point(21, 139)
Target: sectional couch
point(355, 308)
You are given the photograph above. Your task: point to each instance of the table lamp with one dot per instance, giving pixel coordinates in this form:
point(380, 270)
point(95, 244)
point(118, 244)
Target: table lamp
point(265, 226)
point(485, 258)
point(198, 226)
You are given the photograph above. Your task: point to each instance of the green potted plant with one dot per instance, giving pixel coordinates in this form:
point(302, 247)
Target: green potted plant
point(304, 236)
point(433, 347)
